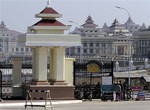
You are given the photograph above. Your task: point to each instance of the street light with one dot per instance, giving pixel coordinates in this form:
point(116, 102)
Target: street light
point(81, 42)
point(123, 9)
point(129, 44)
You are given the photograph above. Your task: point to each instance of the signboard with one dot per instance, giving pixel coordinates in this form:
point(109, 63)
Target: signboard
point(107, 80)
point(108, 88)
point(136, 88)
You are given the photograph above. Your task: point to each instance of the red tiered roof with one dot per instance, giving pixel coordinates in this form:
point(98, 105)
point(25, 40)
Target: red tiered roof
point(49, 10)
point(48, 22)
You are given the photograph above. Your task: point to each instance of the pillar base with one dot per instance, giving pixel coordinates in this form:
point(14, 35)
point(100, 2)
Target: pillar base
point(60, 83)
point(17, 91)
point(40, 82)
point(57, 92)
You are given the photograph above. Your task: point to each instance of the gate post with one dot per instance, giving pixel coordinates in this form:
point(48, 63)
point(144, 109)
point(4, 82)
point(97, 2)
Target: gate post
point(69, 70)
point(74, 67)
point(16, 77)
point(0, 85)
point(112, 70)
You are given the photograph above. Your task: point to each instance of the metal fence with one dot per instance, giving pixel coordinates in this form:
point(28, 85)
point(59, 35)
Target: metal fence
point(6, 77)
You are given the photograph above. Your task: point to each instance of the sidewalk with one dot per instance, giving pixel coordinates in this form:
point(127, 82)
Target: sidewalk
point(9, 103)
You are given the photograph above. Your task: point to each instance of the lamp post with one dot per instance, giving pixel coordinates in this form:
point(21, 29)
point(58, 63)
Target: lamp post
point(129, 52)
point(81, 42)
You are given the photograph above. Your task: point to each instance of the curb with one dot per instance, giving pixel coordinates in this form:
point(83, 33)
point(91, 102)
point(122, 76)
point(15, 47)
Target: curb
point(38, 103)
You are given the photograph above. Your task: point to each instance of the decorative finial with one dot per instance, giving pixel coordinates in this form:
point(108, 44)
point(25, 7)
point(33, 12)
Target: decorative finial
point(48, 3)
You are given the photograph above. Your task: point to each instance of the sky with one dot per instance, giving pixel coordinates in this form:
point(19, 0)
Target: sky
point(19, 14)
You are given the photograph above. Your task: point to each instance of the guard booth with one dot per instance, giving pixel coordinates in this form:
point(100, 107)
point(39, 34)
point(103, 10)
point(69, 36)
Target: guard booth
point(88, 78)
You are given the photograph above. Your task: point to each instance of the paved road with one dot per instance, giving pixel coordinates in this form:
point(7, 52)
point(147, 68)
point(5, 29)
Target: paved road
point(94, 105)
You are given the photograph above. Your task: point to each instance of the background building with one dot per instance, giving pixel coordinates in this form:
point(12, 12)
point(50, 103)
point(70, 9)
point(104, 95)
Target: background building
point(142, 43)
point(9, 43)
point(114, 41)
point(117, 40)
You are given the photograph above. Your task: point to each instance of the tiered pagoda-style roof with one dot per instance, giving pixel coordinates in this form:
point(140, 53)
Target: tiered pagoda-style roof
point(117, 28)
point(49, 10)
point(129, 22)
point(3, 26)
point(48, 16)
point(89, 23)
point(49, 22)
point(132, 26)
point(5, 30)
point(116, 24)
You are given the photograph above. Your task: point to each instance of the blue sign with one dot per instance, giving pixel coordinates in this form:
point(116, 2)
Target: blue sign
point(108, 88)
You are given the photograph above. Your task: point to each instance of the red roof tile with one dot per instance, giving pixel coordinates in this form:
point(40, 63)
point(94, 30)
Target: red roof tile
point(49, 10)
point(48, 22)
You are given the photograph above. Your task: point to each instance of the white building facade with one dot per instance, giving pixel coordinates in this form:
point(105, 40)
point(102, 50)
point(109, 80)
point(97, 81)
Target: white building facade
point(9, 43)
point(115, 42)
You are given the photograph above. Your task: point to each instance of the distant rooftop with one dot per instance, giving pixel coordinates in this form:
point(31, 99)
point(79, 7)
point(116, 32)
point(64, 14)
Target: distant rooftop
point(5, 30)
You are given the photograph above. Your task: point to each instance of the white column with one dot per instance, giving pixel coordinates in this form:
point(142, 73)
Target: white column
point(131, 64)
point(146, 63)
point(117, 66)
point(51, 64)
point(33, 64)
point(59, 63)
point(116, 50)
point(40, 64)
point(112, 49)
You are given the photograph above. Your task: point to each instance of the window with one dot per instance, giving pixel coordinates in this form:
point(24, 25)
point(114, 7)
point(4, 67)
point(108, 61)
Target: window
point(27, 49)
point(97, 44)
point(13, 49)
point(22, 49)
point(85, 44)
point(103, 44)
point(97, 51)
point(78, 50)
point(91, 50)
point(17, 49)
point(85, 50)
point(91, 44)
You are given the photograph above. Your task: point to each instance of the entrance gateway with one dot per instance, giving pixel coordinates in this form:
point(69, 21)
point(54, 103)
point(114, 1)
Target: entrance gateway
point(47, 40)
point(89, 75)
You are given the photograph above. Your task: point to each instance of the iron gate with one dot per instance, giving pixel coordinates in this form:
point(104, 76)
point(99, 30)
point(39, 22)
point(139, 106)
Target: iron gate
point(88, 77)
